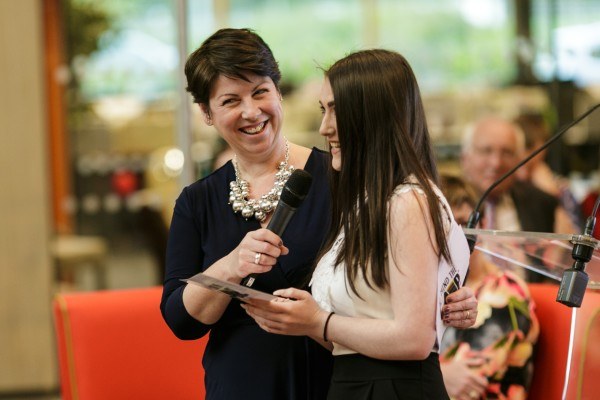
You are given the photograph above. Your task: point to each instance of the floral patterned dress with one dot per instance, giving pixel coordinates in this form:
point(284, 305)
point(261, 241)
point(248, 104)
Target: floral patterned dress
point(504, 335)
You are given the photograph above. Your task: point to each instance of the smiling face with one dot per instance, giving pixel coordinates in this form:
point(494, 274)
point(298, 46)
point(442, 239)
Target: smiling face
point(248, 115)
point(329, 125)
point(493, 150)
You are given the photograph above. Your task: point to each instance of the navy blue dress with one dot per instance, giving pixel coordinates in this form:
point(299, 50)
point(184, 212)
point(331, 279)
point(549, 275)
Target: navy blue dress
point(241, 360)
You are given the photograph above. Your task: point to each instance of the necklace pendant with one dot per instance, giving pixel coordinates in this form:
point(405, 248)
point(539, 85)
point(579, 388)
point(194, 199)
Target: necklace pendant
point(259, 208)
point(266, 206)
point(247, 211)
point(237, 206)
point(260, 216)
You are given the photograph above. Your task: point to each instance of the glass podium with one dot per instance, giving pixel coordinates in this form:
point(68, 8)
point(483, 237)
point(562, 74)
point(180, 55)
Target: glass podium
point(549, 255)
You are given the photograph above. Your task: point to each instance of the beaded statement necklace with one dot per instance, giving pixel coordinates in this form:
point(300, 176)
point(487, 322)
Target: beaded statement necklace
point(262, 207)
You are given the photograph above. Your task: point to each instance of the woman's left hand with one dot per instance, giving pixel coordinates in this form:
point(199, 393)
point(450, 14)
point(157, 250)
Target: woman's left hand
point(460, 310)
point(295, 313)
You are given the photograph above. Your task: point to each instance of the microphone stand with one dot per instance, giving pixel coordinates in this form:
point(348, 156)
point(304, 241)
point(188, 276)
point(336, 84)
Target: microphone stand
point(575, 279)
point(574, 282)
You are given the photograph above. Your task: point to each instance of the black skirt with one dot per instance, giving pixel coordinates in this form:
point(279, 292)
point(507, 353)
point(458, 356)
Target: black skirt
point(356, 377)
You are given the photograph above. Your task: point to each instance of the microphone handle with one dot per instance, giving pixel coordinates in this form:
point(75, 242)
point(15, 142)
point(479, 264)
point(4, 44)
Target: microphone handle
point(279, 221)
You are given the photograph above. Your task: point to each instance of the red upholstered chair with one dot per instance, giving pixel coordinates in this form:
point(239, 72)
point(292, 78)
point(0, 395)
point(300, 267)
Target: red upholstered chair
point(553, 344)
point(115, 345)
point(588, 382)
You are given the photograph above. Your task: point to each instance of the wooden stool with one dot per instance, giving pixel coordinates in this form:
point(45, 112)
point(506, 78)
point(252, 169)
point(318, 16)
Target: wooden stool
point(71, 252)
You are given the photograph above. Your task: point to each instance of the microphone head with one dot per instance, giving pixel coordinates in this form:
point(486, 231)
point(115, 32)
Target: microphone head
point(296, 188)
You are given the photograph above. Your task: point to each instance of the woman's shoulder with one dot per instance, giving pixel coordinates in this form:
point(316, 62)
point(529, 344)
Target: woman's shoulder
point(410, 195)
point(407, 201)
point(316, 162)
point(319, 160)
point(215, 182)
point(404, 188)
point(410, 185)
point(308, 159)
point(298, 154)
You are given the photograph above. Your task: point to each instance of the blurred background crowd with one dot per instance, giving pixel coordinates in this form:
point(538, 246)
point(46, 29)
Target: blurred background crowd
point(98, 135)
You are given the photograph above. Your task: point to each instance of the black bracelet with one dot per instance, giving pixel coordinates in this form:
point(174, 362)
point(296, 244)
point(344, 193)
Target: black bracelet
point(325, 327)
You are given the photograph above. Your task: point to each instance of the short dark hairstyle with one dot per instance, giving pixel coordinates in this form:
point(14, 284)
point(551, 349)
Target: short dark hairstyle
point(232, 53)
point(384, 139)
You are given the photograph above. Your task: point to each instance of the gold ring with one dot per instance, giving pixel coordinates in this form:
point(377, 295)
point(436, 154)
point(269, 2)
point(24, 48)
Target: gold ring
point(473, 394)
point(468, 314)
point(257, 257)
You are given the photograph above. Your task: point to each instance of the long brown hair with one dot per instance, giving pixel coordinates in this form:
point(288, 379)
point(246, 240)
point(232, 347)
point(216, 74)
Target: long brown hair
point(384, 140)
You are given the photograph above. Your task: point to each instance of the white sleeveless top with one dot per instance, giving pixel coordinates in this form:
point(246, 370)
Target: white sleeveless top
point(331, 291)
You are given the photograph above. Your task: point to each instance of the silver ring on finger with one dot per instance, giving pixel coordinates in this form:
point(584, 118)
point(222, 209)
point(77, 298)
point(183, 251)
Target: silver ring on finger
point(257, 258)
point(468, 314)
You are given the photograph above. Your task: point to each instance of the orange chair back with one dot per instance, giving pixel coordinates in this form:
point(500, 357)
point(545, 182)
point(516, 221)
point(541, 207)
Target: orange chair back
point(115, 345)
point(587, 381)
point(553, 344)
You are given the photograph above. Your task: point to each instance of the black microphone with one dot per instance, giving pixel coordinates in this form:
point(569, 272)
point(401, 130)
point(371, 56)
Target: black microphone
point(574, 279)
point(293, 193)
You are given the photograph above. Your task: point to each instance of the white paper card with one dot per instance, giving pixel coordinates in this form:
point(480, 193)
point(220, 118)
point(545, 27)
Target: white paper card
point(449, 275)
point(232, 289)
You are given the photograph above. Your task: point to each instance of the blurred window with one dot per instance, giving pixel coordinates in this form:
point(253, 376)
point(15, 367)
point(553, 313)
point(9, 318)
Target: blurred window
point(123, 71)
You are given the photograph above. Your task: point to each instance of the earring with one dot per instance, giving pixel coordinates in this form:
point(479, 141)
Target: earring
point(209, 120)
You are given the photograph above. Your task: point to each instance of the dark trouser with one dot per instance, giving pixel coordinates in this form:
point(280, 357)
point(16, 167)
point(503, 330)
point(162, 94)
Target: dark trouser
point(356, 377)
